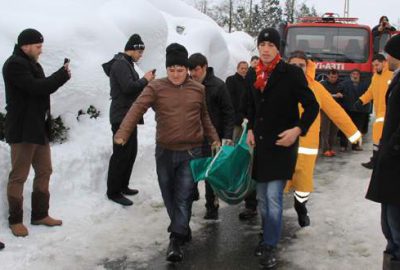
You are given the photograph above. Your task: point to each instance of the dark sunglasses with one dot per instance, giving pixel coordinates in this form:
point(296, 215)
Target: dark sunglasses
point(138, 47)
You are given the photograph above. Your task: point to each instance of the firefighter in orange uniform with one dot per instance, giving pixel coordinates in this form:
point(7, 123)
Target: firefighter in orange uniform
point(302, 180)
point(377, 92)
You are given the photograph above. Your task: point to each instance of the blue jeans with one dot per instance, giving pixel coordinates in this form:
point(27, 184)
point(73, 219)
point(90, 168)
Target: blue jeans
point(390, 222)
point(270, 205)
point(177, 186)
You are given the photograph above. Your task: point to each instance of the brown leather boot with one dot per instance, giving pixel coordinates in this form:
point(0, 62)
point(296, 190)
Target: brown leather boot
point(19, 230)
point(47, 221)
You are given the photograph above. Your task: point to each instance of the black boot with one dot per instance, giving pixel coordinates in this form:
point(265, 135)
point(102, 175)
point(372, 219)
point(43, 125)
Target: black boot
point(301, 209)
point(387, 257)
point(258, 251)
point(129, 191)
point(268, 259)
point(211, 213)
point(121, 200)
point(370, 163)
point(175, 252)
point(247, 214)
point(1, 245)
point(394, 265)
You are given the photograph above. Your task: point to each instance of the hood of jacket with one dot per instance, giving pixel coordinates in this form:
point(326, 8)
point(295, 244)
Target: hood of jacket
point(119, 56)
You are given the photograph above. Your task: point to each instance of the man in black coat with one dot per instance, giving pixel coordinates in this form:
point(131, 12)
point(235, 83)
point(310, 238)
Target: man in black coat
point(221, 112)
point(274, 127)
point(126, 86)
point(27, 128)
point(385, 184)
point(328, 129)
point(238, 86)
point(351, 89)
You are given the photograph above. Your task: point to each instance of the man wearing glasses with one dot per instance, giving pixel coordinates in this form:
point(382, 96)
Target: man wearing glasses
point(126, 86)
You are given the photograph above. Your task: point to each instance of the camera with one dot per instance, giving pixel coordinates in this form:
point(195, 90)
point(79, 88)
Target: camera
point(66, 61)
point(154, 71)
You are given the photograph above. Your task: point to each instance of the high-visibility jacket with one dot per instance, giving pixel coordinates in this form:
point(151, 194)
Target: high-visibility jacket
point(377, 92)
point(302, 179)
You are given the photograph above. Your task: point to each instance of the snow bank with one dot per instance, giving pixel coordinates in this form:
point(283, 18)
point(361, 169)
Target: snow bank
point(89, 33)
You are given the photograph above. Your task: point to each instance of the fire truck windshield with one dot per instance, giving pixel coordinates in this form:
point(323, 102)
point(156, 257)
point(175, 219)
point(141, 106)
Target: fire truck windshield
point(329, 44)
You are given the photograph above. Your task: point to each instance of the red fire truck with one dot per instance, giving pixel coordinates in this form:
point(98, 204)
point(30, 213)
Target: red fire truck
point(333, 42)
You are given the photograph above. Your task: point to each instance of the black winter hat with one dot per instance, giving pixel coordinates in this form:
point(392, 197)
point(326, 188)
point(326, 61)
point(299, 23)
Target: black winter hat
point(134, 43)
point(176, 55)
point(271, 35)
point(393, 47)
point(29, 36)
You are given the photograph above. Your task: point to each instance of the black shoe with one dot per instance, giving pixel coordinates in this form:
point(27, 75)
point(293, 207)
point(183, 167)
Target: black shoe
point(1, 245)
point(258, 251)
point(211, 213)
point(175, 252)
point(121, 200)
point(129, 191)
point(247, 214)
point(369, 165)
point(268, 259)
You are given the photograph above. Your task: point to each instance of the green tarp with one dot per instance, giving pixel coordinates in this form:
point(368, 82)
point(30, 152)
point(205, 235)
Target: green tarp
point(228, 172)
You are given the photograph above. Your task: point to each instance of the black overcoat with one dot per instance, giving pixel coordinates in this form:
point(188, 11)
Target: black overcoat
point(273, 111)
point(219, 105)
point(28, 98)
point(385, 181)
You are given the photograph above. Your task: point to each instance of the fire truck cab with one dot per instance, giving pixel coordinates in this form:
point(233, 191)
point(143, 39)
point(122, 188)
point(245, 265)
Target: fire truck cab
point(332, 42)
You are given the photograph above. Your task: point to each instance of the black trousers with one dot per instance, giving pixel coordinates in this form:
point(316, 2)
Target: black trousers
point(121, 163)
point(251, 201)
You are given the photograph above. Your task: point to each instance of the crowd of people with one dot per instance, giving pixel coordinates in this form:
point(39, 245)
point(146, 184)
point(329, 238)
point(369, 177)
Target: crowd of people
point(196, 112)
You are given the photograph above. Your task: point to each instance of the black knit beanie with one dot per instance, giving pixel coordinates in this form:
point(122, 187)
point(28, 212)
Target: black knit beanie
point(176, 55)
point(134, 43)
point(393, 47)
point(29, 36)
point(271, 35)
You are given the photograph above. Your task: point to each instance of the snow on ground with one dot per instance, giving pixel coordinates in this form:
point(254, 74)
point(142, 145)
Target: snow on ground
point(90, 32)
point(345, 228)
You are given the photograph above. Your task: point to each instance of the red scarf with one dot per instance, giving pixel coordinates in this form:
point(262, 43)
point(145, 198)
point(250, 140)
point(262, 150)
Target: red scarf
point(263, 72)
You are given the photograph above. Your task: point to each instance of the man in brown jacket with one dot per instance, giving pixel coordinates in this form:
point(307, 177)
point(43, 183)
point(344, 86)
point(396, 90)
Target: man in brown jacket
point(182, 123)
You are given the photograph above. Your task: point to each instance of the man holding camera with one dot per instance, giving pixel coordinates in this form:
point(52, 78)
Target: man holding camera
point(27, 128)
point(126, 86)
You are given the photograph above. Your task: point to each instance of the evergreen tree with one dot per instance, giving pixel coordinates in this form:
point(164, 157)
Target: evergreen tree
point(305, 11)
point(289, 11)
point(271, 13)
point(256, 21)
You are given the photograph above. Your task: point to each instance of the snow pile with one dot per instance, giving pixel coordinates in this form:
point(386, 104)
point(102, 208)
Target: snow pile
point(89, 33)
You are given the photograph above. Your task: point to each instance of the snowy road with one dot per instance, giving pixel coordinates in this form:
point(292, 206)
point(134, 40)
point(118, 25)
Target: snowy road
point(344, 232)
